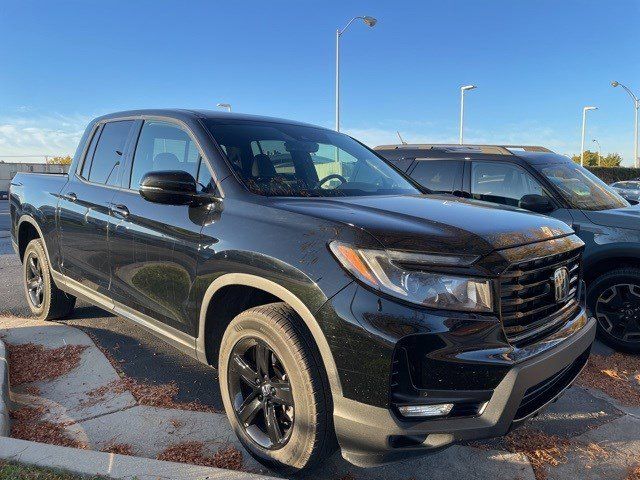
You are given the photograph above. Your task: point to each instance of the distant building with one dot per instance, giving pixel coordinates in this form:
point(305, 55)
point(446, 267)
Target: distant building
point(8, 170)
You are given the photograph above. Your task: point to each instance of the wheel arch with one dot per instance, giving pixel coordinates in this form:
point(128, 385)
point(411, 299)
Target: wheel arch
point(610, 259)
point(279, 293)
point(27, 230)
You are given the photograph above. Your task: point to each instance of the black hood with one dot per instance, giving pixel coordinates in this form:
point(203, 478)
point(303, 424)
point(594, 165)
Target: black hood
point(627, 217)
point(433, 223)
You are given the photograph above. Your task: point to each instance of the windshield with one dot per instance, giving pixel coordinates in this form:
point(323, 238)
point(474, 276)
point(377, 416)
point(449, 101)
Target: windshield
point(279, 159)
point(581, 188)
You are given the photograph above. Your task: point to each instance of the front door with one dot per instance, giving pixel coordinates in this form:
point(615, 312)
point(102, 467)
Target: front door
point(154, 247)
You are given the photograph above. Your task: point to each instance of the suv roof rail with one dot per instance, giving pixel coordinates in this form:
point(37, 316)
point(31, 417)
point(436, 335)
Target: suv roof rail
point(488, 149)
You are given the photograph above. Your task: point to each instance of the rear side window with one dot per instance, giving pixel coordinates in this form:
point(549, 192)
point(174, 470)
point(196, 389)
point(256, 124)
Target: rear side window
point(439, 176)
point(163, 146)
point(86, 166)
point(107, 158)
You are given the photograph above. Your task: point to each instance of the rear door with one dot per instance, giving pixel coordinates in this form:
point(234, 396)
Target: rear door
point(84, 207)
point(154, 247)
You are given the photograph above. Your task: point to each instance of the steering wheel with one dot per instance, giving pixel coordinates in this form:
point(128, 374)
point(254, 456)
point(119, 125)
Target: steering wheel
point(331, 177)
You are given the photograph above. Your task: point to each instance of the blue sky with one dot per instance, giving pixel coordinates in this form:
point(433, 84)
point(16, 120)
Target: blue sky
point(536, 64)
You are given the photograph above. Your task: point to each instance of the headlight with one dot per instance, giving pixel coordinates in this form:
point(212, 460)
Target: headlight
point(380, 269)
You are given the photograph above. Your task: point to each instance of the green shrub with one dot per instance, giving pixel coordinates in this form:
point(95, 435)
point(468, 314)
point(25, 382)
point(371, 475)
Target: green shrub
point(614, 174)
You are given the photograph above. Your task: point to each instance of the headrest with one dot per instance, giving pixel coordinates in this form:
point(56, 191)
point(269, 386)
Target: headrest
point(165, 161)
point(262, 166)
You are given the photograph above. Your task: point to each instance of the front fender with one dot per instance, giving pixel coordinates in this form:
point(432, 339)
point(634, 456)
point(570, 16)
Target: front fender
point(286, 295)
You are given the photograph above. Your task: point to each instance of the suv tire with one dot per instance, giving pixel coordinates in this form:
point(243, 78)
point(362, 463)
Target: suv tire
point(274, 332)
point(614, 299)
point(45, 299)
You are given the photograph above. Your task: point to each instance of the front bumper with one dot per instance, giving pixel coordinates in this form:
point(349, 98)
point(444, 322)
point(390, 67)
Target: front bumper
point(371, 435)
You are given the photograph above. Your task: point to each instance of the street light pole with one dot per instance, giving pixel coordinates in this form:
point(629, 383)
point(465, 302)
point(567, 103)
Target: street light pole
point(584, 126)
point(636, 106)
point(462, 90)
point(599, 151)
point(369, 21)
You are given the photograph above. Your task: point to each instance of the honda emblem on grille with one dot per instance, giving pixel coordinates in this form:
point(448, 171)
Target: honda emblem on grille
point(561, 283)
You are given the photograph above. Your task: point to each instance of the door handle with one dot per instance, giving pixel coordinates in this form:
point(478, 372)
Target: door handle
point(72, 197)
point(120, 209)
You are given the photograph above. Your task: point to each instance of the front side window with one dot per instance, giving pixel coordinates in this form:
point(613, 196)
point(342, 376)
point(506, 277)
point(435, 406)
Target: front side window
point(279, 159)
point(503, 183)
point(580, 188)
point(439, 176)
point(163, 146)
point(105, 166)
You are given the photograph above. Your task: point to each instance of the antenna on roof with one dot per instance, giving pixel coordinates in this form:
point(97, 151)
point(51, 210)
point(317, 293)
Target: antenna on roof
point(401, 140)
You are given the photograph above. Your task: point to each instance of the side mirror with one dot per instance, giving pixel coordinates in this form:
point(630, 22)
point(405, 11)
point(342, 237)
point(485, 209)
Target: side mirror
point(169, 187)
point(536, 203)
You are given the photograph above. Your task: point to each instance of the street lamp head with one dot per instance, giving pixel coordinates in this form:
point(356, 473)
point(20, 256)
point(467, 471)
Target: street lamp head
point(590, 108)
point(225, 105)
point(468, 87)
point(370, 21)
point(614, 84)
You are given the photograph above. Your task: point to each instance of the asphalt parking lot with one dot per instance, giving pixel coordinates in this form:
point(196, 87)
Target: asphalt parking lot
point(5, 220)
point(583, 416)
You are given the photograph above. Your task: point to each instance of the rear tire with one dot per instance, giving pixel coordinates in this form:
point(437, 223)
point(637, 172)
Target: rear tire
point(614, 299)
point(45, 299)
point(305, 420)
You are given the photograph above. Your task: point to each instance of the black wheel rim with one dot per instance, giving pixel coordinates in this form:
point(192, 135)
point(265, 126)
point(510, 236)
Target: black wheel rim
point(618, 311)
point(261, 393)
point(34, 280)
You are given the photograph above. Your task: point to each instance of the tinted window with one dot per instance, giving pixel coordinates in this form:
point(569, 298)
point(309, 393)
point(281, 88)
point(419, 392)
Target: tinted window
point(292, 160)
point(108, 155)
point(163, 146)
point(400, 159)
point(502, 183)
point(86, 166)
point(441, 176)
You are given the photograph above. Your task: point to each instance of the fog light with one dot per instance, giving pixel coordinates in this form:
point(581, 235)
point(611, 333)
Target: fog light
point(438, 410)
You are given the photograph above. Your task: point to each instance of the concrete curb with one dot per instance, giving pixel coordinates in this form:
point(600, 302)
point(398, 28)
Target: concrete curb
point(4, 391)
point(92, 463)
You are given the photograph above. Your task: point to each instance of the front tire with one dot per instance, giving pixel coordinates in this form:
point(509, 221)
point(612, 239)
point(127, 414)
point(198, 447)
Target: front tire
point(274, 389)
point(614, 299)
point(45, 299)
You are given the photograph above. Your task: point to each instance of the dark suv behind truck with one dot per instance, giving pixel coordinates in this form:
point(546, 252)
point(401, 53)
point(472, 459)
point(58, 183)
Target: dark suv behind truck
point(340, 303)
point(536, 179)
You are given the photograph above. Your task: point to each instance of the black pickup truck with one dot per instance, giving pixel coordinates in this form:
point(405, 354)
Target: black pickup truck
point(536, 179)
point(341, 303)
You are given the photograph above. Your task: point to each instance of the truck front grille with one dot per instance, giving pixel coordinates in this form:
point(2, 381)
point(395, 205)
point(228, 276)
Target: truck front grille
point(528, 305)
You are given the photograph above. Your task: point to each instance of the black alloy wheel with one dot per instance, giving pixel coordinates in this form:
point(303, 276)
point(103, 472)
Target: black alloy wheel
point(34, 280)
point(618, 311)
point(261, 393)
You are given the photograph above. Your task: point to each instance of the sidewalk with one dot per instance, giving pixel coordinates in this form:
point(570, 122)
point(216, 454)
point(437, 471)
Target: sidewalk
point(92, 405)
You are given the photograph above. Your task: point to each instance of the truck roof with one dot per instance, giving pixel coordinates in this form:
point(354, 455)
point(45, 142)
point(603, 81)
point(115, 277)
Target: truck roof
point(216, 115)
point(534, 154)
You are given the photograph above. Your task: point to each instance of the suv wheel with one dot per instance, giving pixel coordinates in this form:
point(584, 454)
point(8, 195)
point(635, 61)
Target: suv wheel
point(614, 299)
point(274, 389)
point(45, 299)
